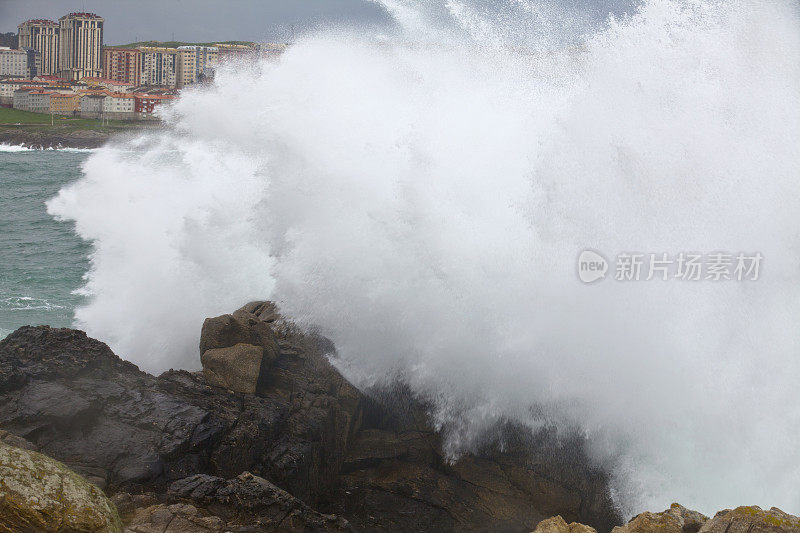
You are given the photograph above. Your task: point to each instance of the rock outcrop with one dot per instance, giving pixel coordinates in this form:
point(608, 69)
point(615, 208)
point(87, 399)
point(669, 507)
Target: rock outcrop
point(557, 524)
point(236, 368)
point(676, 519)
point(679, 519)
point(373, 460)
point(40, 494)
point(207, 504)
point(752, 520)
point(43, 137)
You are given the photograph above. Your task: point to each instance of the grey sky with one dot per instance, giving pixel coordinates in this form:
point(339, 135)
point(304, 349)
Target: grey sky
point(197, 20)
point(247, 20)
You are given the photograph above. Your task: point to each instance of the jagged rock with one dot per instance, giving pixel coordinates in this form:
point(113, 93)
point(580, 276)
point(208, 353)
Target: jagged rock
point(58, 137)
point(236, 368)
point(752, 520)
point(648, 522)
point(676, 519)
point(175, 518)
point(208, 504)
point(40, 494)
point(76, 401)
point(557, 524)
point(691, 521)
point(241, 327)
point(249, 500)
point(127, 504)
point(374, 460)
point(238, 350)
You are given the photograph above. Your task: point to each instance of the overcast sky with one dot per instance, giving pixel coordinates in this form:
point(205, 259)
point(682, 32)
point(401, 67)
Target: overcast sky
point(197, 20)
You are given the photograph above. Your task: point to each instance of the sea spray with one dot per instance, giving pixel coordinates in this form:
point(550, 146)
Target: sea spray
point(422, 198)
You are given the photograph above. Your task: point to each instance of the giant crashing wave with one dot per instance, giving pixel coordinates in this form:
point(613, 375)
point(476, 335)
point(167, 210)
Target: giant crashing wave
point(421, 194)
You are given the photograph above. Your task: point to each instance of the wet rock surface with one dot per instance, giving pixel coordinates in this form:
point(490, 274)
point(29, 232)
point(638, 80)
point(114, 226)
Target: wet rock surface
point(40, 494)
point(315, 447)
point(203, 503)
point(54, 138)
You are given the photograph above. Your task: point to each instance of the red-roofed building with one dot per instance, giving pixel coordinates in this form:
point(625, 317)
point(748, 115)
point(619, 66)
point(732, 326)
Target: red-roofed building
point(111, 85)
point(145, 104)
point(64, 104)
point(49, 79)
point(35, 100)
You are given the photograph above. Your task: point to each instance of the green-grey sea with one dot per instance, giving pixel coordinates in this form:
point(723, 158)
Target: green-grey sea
point(42, 261)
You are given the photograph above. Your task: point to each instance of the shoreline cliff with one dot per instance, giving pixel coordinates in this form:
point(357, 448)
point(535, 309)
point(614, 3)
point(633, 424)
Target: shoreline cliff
point(47, 137)
point(270, 437)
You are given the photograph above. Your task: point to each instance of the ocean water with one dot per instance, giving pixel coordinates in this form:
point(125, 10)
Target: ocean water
point(42, 261)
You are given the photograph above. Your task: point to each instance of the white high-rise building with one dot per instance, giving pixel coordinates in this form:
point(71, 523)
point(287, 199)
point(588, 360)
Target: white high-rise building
point(13, 62)
point(158, 66)
point(42, 36)
point(195, 63)
point(80, 46)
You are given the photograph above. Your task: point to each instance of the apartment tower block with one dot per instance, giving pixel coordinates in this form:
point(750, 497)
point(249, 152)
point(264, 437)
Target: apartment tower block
point(41, 36)
point(80, 46)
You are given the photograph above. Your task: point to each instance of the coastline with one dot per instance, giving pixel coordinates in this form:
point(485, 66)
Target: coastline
point(54, 137)
point(269, 429)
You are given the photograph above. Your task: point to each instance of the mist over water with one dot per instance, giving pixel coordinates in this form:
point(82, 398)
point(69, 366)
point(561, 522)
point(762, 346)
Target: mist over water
point(422, 198)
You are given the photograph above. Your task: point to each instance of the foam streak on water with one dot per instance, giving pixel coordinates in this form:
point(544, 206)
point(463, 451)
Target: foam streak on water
point(422, 198)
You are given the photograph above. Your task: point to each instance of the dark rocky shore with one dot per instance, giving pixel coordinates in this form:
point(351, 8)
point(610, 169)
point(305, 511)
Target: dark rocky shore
point(270, 437)
point(45, 137)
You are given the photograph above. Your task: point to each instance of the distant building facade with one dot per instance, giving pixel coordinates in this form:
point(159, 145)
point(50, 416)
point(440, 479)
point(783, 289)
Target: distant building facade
point(229, 52)
point(8, 86)
point(158, 66)
point(43, 37)
point(34, 60)
point(271, 50)
point(111, 85)
point(145, 104)
point(13, 62)
point(119, 106)
point(122, 65)
point(196, 63)
point(91, 105)
point(36, 100)
point(80, 45)
point(64, 104)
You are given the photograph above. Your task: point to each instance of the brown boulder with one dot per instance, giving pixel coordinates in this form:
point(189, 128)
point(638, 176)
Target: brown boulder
point(557, 524)
point(676, 519)
point(38, 493)
point(241, 327)
point(236, 368)
point(238, 350)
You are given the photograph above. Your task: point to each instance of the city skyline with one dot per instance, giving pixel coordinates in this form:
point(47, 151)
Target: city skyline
point(198, 20)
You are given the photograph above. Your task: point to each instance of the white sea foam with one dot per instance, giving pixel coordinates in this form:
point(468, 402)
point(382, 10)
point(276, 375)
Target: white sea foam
point(22, 148)
point(13, 148)
point(423, 197)
point(27, 303)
